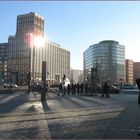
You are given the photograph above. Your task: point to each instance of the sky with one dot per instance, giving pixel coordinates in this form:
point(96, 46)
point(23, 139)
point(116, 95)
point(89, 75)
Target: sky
point(75, 25)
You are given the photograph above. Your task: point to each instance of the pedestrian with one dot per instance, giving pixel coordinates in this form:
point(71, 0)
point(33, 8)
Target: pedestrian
point(81, 88)
point(77, 87)
point(10, 88)
point(60, 89)
point(105, 90)
point(68, 89)
point(72, 88)
point(86, 88)
point(64, 90)
point(102, 90)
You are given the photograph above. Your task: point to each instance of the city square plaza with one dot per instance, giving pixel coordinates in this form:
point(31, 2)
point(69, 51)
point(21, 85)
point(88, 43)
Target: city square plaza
point(24, 116)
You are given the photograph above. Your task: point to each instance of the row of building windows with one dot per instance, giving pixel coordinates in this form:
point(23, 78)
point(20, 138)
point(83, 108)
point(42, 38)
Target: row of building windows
point(107, 57)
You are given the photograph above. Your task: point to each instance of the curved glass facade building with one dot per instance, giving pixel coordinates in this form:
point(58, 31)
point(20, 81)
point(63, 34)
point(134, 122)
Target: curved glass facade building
point(107, 59)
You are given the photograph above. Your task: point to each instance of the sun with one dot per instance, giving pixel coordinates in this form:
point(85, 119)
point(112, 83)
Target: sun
point(38, 41)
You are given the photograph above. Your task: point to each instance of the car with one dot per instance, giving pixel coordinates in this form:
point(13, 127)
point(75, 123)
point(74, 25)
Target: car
point(128, 87)
point(14, 85)
point(113, 89)
point(6, 85)
point(38, 86)
point(9, 85)
point(99, 89)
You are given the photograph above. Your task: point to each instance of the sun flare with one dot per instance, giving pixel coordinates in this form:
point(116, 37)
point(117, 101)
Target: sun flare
point(38, 41)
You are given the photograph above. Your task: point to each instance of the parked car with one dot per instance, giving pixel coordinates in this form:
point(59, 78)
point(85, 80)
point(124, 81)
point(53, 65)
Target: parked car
point(6, 85)
point(9, 85)
point(38, 86)
point(14, 85)
point(114, 89)
point(129, 87)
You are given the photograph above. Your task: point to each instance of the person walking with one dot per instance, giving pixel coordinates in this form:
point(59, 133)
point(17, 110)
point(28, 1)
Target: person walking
point(72, 88)
point(64, 90)
point(75, 89)
point(60, 89)
point(77, 86)
point(102, 91)
point(81, 87)
point(86, 88)
point(105, 90)
point(68, 89)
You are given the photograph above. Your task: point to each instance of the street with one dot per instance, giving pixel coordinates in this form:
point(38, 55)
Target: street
point(69, 117)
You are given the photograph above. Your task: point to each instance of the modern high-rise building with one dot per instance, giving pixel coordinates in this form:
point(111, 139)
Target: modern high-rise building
point(3, 62)
point(129, 71)
point(58, 62)
point(136, 71)
point(28, 49)
point(105, 62)
point(21, 47)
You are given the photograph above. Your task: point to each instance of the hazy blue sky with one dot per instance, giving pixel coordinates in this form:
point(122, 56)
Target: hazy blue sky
point(76, 25)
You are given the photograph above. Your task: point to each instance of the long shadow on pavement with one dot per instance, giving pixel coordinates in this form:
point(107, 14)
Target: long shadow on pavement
point(13, 103)
point(45, 106)
point(22, 133)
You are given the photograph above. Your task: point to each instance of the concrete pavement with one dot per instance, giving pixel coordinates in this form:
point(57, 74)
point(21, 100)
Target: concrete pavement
point(68, 117)
point(20, 117)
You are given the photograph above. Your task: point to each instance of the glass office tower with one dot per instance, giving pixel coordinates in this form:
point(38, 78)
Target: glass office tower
point(107, 60)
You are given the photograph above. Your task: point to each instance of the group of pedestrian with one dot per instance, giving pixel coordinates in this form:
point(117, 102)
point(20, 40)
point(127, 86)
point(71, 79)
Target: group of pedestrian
point(72, 89)
point(81, 89)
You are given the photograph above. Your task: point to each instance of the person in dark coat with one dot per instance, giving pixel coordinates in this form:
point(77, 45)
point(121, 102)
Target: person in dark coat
point(77, 86)
point(81, 88)
point(60, 89)
point(72, 88)
point(86, 88)
point(64, 90)
point(105, 90)
point(68, 89)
